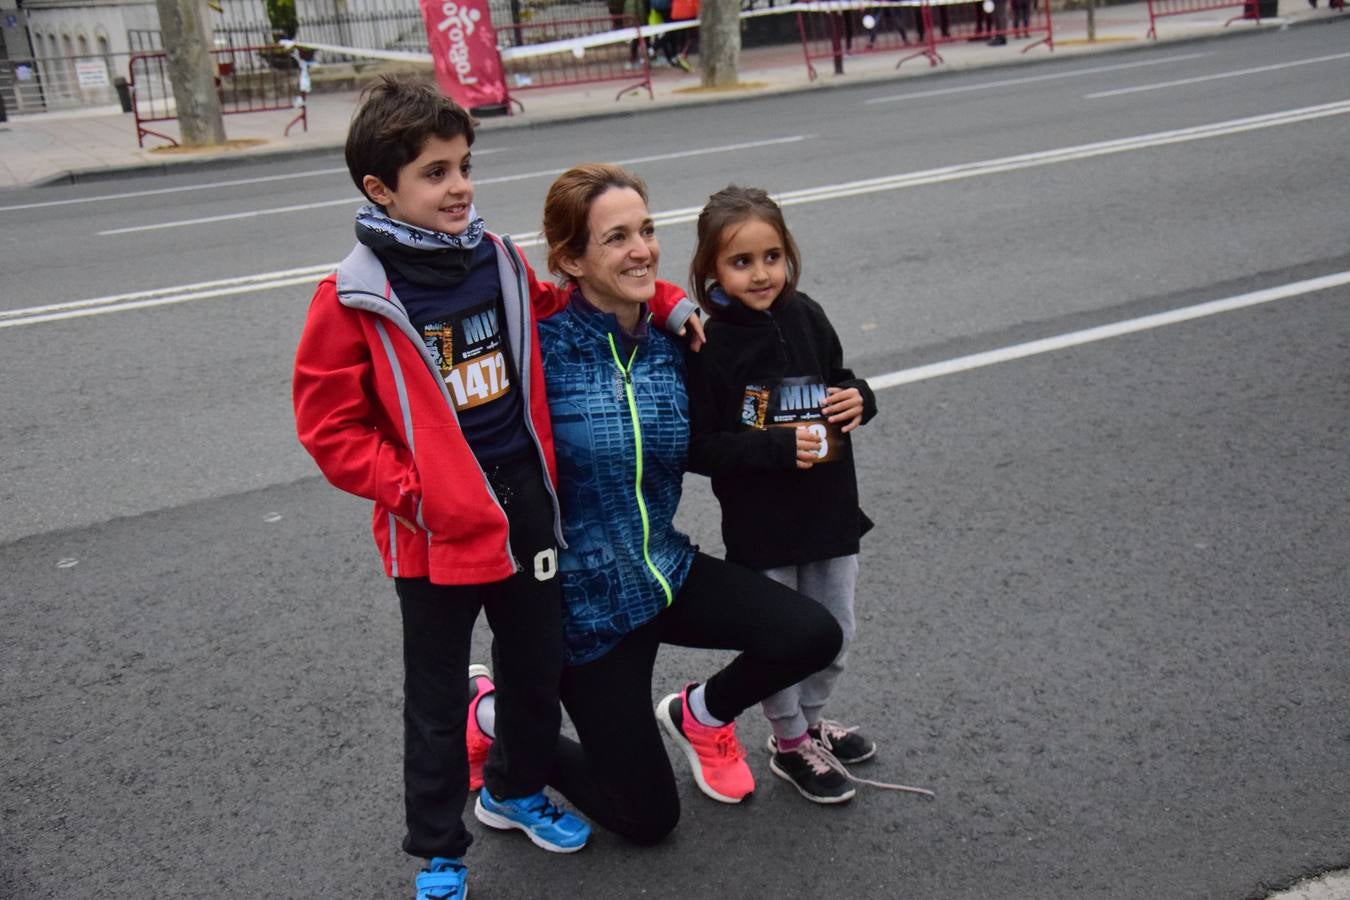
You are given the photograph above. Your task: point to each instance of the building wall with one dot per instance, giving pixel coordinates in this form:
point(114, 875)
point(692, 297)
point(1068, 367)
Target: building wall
point(93, 28)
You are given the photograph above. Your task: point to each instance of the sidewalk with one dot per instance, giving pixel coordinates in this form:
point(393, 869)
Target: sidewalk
point(91, 144)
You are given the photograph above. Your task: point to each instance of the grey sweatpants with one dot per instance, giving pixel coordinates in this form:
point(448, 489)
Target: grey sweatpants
point(831, 583)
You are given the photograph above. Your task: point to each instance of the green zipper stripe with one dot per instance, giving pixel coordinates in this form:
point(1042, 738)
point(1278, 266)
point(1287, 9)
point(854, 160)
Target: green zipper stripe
point(637, 443)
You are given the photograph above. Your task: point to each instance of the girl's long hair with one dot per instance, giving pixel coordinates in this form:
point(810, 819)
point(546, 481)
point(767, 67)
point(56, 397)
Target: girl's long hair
point(728, 208)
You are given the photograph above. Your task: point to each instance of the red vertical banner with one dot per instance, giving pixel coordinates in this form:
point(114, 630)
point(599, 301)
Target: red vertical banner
point(464, 48)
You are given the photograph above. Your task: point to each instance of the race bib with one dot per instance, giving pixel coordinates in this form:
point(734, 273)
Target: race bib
point(792, 403)
point(467, 350)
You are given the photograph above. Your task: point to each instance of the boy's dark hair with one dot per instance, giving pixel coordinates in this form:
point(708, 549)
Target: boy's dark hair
point(725, 209)
point(396, 116)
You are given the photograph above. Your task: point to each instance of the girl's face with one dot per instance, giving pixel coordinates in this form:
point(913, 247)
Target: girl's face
point(618, 270)
point(751, 265)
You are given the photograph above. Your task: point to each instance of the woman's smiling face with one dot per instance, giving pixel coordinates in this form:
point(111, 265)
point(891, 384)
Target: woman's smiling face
point(617, 272)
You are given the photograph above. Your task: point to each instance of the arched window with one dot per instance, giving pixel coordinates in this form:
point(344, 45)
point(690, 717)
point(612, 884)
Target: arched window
point(68, 81)
point(83, 43)
point(101, 42)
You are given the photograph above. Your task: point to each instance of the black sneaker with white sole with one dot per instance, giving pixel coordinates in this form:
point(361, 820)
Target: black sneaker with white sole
point(814, 772)
point(849, 745)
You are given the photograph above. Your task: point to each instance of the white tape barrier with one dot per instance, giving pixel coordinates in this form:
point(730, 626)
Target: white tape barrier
point(578, 46)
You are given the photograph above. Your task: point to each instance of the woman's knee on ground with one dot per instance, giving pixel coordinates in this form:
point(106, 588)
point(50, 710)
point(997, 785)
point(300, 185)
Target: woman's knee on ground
point(647, 822)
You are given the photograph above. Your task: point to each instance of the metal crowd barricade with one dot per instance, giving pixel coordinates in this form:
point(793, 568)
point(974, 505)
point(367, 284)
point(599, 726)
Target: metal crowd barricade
point(915, 28)
point(576, 51)
point(833, 30)
point(48, 83)
point(248, 80)
point(1159, 8)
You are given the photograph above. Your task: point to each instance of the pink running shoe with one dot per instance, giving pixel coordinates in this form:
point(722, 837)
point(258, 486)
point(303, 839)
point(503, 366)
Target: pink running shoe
point(477, 740)
point(715, 755)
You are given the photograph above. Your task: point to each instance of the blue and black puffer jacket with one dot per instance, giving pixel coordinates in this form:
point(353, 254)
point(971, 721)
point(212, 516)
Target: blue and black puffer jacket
point(621, 436)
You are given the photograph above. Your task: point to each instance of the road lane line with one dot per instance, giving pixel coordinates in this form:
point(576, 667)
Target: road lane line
point(1235, 73)
point(951, 173)
point(153, 192)
point(230, 217)
point(264, 281)
point(1030, 79)
point(501, 179)
point(1105, 332)
point(235, 182)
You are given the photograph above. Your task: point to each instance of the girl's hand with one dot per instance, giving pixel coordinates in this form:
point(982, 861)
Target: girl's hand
point(843, 405)
point(808, 447)
point(406, 524)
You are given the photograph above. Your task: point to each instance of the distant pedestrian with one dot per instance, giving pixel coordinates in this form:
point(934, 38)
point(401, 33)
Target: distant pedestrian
point(772, 408)
point(668, 43)
point(998, 22)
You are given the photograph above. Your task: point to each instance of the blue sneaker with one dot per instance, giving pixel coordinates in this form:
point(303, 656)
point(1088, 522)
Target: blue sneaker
point(554, 829)
point(442, 879)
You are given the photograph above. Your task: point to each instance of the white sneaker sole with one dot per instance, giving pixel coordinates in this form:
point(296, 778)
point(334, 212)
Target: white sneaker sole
point(668, 724)
point(501, 823)
point(814, 798)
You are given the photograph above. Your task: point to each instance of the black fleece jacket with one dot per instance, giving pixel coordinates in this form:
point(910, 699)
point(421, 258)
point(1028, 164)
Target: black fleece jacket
point(760, 375)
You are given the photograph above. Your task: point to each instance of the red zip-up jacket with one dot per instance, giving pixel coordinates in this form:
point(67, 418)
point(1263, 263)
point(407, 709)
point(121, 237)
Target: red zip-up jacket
point(373, 410)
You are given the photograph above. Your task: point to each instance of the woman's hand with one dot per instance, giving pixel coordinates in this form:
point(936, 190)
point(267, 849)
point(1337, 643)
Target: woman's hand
point(843, 405)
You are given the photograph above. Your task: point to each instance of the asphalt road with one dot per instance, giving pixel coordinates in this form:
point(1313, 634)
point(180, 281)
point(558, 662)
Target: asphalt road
point(1105, 613)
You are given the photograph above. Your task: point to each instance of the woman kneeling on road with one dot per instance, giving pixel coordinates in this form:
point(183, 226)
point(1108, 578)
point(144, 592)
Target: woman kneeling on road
point(631, 581)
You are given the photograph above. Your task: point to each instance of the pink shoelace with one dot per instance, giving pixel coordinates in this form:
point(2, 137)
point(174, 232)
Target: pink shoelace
point(831, 731)
point(821, 760)
point(724, 744)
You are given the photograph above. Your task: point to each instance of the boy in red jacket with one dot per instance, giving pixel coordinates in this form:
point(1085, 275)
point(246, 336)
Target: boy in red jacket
point(418, 385)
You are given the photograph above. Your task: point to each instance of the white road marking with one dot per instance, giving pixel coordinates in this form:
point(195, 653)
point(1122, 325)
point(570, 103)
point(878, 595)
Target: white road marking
point(1030, 79)
point(206, 186)
point(269, 280)
point(184, 293)
point(1104, 332)
point(1013, 163)
point(1273, 67)
point(544, 173)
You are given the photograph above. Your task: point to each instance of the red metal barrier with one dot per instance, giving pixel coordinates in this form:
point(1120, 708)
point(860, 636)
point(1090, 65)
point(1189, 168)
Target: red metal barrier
point(961, 21)
point(917, 28)
point(248, 79)
point(1159, 8)
point(836, 30)
point(576, 51)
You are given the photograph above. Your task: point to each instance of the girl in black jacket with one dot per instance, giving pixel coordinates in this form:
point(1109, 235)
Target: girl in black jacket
point(771, 410)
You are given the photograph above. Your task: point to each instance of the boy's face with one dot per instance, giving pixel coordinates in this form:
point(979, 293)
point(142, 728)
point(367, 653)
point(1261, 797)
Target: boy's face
point(434, 190)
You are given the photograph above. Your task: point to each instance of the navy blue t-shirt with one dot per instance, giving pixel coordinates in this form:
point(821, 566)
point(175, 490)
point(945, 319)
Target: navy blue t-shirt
point(464, 328)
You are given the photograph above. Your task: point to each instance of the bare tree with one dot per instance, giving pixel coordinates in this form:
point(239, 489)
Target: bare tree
point(720, 42)
point(187, 41)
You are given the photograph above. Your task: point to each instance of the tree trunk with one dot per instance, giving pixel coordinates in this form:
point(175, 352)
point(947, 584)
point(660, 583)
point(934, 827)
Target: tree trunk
point(187, 41)
point(720, 42)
